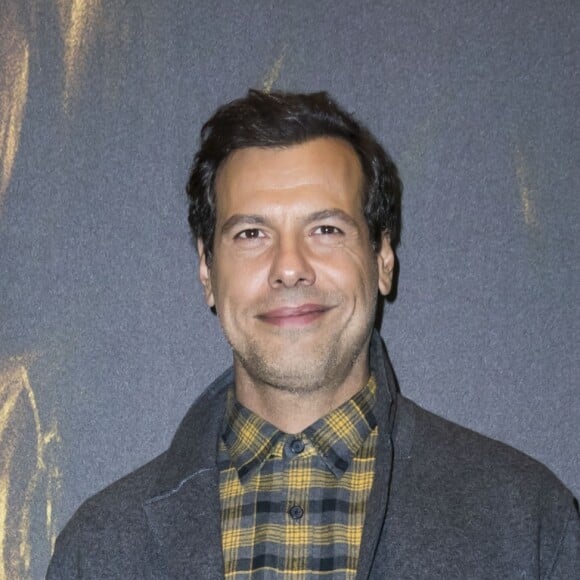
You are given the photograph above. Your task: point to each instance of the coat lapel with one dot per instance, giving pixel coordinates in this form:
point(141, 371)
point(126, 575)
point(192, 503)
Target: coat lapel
point(379, 498)
point(183, 508)
point(186, 524)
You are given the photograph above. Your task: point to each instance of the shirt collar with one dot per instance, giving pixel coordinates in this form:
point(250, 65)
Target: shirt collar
point(337, 437)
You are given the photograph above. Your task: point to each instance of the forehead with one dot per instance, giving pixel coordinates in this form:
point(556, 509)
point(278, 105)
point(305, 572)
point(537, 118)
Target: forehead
point(322, 171)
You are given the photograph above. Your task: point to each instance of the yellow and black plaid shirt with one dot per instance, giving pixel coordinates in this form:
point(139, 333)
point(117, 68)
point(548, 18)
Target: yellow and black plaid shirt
point(294, 505)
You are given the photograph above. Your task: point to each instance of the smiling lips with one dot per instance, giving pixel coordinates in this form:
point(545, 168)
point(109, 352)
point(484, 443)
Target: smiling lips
point(294, 316)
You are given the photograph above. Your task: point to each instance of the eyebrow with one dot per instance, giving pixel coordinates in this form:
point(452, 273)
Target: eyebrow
point(258, 220)
point(240, 218)
point(333, 213)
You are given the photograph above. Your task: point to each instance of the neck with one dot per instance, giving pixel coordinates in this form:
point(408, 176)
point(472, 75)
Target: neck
point(293, 411)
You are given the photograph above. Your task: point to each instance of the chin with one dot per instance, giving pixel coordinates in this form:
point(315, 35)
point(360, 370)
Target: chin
point(293, 370)
point(291, 380)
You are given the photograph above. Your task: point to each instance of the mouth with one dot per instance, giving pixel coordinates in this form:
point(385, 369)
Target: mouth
point(294, 316)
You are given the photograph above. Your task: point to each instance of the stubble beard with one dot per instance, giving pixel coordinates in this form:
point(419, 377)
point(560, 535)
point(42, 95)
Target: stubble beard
point(302, 370)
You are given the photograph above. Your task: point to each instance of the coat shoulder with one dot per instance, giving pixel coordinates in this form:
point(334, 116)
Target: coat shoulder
point(471, 455)
point(457, 491)
point(108, 527)
point(120, 498)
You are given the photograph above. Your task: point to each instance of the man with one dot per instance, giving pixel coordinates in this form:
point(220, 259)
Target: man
point(303, 460)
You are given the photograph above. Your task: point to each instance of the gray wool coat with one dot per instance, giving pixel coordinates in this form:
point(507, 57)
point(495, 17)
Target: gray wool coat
point(446, 503)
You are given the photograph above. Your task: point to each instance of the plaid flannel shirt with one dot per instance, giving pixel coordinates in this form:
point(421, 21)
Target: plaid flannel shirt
point(294, 505)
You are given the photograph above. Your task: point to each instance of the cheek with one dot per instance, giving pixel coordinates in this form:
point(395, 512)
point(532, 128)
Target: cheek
point(236, 289)
point(352, 272)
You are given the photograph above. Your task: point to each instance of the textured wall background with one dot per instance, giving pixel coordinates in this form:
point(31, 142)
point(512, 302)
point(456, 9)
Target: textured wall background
point(104, 338)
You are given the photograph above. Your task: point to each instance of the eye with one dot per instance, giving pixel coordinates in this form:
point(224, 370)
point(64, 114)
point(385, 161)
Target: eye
point(327, 230)
point(250, 234)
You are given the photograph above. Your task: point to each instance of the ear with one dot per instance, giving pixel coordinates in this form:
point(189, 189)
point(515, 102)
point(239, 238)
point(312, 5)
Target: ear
point(386, 263)
point(205, 275)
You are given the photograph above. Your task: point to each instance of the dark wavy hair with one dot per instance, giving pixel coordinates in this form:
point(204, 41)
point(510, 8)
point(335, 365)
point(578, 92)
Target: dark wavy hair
point(279, 119)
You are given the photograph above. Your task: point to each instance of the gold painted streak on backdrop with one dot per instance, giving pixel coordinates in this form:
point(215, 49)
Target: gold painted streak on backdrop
point(525, 189)
point(78, 21)
point(13, 95)
point(17, 403)
point(274, 73)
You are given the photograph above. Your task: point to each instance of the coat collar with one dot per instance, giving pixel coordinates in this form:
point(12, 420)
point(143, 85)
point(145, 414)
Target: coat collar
point(379, 497)
point(194, 445)
point(183, 508)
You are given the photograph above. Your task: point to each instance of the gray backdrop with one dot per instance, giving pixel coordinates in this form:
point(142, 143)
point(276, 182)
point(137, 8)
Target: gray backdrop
point(105, 339)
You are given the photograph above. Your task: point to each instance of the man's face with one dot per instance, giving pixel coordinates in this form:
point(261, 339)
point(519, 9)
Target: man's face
point(294, 278)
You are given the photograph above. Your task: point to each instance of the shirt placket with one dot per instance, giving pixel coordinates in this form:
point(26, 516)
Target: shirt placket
point(298, 473)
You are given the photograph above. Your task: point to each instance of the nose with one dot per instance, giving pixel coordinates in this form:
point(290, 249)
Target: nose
point(291, 265)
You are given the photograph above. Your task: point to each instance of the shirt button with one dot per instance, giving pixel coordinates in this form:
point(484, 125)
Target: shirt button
point(297, 446)
point(296, 512)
